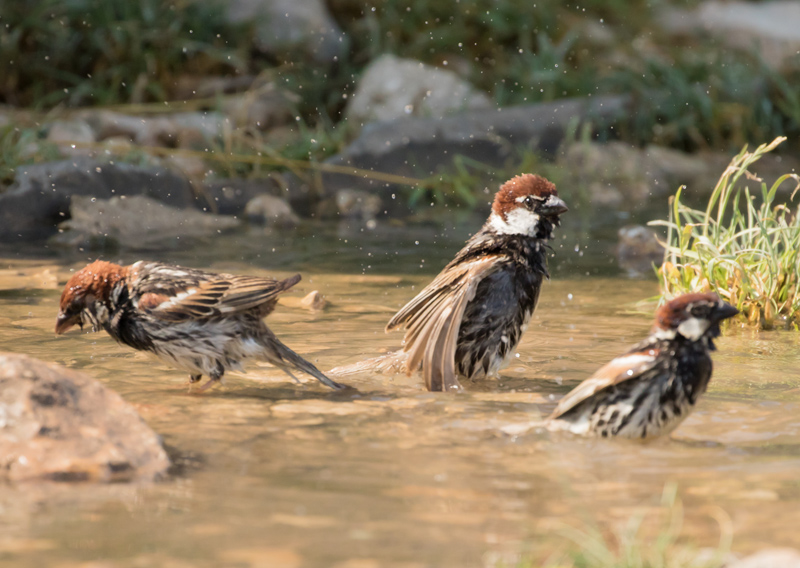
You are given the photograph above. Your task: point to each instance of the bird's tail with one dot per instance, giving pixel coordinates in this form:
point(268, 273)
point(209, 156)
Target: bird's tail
point(285, 359)
point(394, 362)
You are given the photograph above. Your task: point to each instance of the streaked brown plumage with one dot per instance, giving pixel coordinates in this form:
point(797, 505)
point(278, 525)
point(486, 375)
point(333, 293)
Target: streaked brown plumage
point(651, 389)
point(469, 320)
point(201, 322)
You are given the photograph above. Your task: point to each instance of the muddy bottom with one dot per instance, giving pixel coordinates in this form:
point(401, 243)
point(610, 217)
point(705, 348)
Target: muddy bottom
point(273, 473)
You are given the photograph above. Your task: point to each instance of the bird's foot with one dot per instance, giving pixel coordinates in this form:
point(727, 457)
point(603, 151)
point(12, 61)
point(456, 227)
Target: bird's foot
point(209, 383)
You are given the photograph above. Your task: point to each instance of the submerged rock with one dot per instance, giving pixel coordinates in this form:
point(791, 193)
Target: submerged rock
point(39, 198)
point(60, 425)
point(638, 250)
point(355, 204)
point(136, 222)
point(392, 88)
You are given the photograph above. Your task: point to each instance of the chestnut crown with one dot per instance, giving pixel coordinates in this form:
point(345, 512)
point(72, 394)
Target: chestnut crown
point(91, 283)
point(526, 205)
point(693, 315)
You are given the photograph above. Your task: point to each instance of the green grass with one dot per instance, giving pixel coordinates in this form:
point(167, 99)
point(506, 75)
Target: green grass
point(648, 540)
point(20, 145)
point(80, 52)
point(744, 247)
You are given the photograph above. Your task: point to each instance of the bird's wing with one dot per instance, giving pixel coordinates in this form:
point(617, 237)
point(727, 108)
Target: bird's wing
point(616, 371)
point(175, 294)
point(433, 319)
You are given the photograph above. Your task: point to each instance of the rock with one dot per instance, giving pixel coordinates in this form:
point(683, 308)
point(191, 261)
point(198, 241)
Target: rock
point(286, 27)
point(264, 108)
point(618, 175)
point(117, 146)
point(193, 167)
point(356, 204)
point(638, 250)
point(769, 558)
point(674, 169)
point(272, 211)
point(392, 88)
point(136, 222)
point(231, 196)
point(773, 28)
point(183, 129)
point(68, 135)
point(39, 198)
point(313, 301)
point(418, 147)
point(60, 425)
point(612, 173)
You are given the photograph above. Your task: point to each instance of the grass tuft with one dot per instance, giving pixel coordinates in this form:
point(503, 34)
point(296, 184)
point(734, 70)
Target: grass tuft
point(745, 249)
point(654, 539)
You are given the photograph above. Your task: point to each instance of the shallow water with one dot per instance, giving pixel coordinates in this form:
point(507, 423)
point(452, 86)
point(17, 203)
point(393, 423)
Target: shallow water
point(271, 473)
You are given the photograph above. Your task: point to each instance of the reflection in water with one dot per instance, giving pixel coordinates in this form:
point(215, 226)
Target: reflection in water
point(269, 473)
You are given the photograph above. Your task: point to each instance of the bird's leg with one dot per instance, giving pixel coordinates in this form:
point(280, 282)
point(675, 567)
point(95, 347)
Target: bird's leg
point(214, 379)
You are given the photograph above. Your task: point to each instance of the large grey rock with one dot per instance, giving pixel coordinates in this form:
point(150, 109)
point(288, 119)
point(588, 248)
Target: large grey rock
point(418, 147)
point(392, 88)
point(39, 198)
point(773, 28)
point(136, 222)
point(60, 425)
point(287, 26)
point(769, 558)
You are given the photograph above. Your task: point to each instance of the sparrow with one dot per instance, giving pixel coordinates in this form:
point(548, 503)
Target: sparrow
point(652, 388)
point(470, 318)
point(197, 321)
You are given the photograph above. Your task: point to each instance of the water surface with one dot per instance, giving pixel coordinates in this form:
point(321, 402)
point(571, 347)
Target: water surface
point(272, 473)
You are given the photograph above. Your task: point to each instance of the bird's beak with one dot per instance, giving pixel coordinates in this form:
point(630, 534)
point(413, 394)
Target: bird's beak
point(724, 311)
point(554, 206)
point(64, 322)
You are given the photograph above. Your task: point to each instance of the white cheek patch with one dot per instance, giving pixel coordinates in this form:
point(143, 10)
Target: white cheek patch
point(520, 221)
point(693, 328)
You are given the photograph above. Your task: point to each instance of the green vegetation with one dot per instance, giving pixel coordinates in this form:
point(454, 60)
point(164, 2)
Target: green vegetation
point(19, 146)
point(746, 250)
point(652, 540)
point(81, 52)
point(647, 540)
point(688, 94)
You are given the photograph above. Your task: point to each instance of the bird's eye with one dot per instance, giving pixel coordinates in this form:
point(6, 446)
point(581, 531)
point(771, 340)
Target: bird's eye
point(528, 201)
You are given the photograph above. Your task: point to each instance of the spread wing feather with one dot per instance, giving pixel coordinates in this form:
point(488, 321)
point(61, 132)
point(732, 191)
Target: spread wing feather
point(614, 372)
point(433, 318)
point(201, 294)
